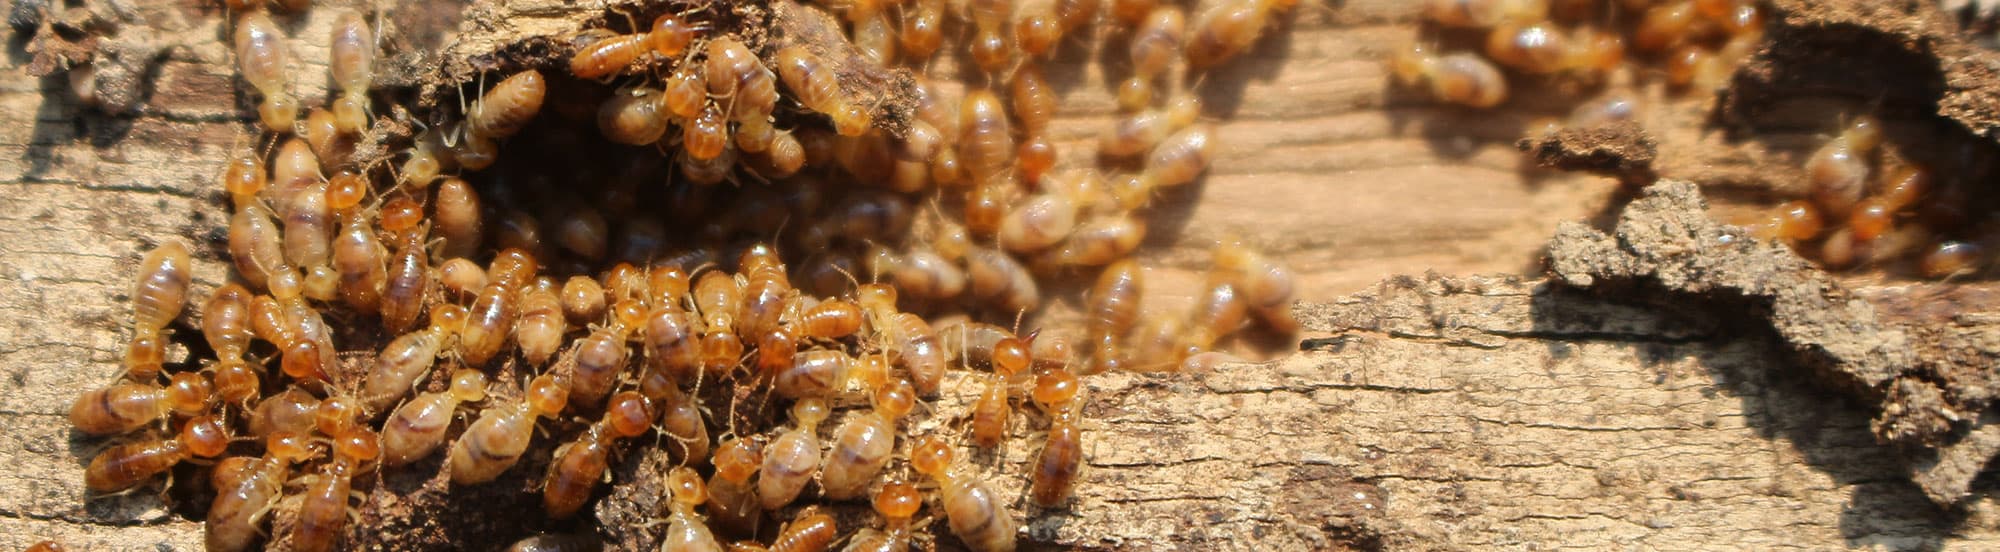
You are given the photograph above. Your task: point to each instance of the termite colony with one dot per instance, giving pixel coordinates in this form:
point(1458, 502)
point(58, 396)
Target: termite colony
point(710, 243)
point(1870, 203)
point(1586, 46)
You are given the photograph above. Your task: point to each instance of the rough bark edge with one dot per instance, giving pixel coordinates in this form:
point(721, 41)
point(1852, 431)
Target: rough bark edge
point(1666, 248)
point(1904, 56)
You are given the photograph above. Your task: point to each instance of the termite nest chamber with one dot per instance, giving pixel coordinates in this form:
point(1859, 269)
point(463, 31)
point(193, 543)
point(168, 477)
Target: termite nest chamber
point(679, 234)
point(1865, 203)
point(1481, 53)
point(1909, 199)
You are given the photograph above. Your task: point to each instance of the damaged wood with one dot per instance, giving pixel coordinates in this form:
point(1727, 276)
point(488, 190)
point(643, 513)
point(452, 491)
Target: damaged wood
point(1432, 412)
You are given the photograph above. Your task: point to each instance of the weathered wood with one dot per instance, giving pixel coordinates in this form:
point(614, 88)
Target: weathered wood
point(1447, 413)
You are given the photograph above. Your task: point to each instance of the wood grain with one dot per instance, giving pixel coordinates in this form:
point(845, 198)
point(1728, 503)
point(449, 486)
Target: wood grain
point(1622, 430)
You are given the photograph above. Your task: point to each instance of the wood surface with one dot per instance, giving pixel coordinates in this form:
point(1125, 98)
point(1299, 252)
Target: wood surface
point(1431, 412)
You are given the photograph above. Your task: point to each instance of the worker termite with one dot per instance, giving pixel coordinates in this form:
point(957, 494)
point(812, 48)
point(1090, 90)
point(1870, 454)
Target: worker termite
point(1460, 78)
point(1181, 157)
point(609, 55)
point(225, 322)
point(323, 508)
point(973, 510)
point(539, 330)
point(1901, 187)
point(323, 135)
point(345, 191)
point(986, 145)
point(705, 136)
point(927, 275)
point(361, 261)
point(1034, 99)
point(1038, 223)
point(508, 106)
point(428, 158)
point(1870, 218)
point(633, 116)
point(458, 219)
point(404, 293)
point(497, 439)
point(1138, 133)
point(732, 499)
point(582, 300)
point(682, 421)
point(922, 31)
point(917, 351)
point(1537, 48)
point(992, 410)
point(861, 446)
point(583, 231)
point(1062, 453)
point(811, 531)
point(719, 297)
point(1838, 171)
point(406, 359)
point(256, 243)
point(792, 459)
point(727, 60)
point(830, 319)
point(1266, 284)
point(352, 50)
point(290, 411)
point(401, 215)
point(784, 157)
point(238, 510)
point(1154, 46)
point(263, 59)
point(1664, 26)
point(1227, 29)
point(686, 530)
point(685, 91)
point(672, 342)
point(157, 299)
point(600, 357)
point(1950, 258)
point(126, 466)
point(1038, 28)
point(1594, 52)
point(990, 49)
point(1001, 281)
point(124, 407)
point(580, 463)
point(811, 80)
point(1099, 241)
point(709, 172)
point(461, 277)
point(1791, 221)
point(244, 177)
point(1217, 313)
point(1113, 311)
point(875, 38)
point(768, 291)
point(897, 503)
point(1694, 65)
point(914, 155)
point(417, 428)
point(490, 323)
